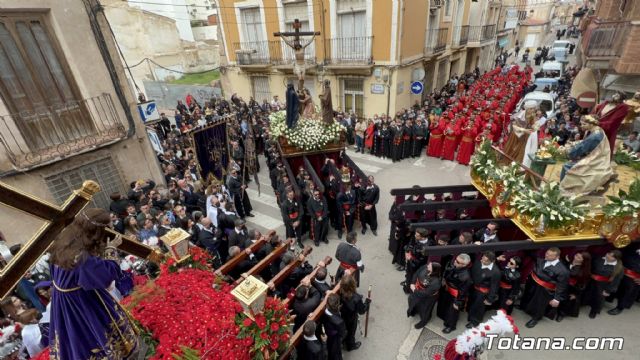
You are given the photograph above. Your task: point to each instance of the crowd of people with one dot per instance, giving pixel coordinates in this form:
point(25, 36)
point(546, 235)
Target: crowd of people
point(547, 283)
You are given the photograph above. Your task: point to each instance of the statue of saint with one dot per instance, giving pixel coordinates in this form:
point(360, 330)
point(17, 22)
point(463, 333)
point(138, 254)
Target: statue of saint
point(589, 166)
point(634, 112)
point(326, 104)
point(293, 105)
point(307, 108)
point(611, 113)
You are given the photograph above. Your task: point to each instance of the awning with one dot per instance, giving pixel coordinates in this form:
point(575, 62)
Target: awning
point(584, 88)
point(628, 84)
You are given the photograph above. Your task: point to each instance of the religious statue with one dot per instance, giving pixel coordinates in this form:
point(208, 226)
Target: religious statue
point(293, 104)
point(634, 111)
point(521, 128)
point(326, 104)
point(86, 321)
point(611, 113)
point(298, 48)
point(589, 166)
point(307, 108)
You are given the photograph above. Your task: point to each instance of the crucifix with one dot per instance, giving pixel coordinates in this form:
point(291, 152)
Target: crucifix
point(298, 48)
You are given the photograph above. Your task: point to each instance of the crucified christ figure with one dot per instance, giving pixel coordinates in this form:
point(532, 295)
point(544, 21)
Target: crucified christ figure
point(298, 48)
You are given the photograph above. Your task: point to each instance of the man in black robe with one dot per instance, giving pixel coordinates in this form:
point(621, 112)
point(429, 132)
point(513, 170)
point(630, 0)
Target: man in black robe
point(319, 212)
point(239, 194)
point(310, 347)
point(347, 205)
point(415, 256)
point(606, 275)
point(629, 288)
point(292, 212)
point(349, 257)
point(424, 293)
point(293, 106)
point(334, 327)
point(369, 197)
point(453, 296)
point(486, 282)
point(550, 280)
point(306, 299)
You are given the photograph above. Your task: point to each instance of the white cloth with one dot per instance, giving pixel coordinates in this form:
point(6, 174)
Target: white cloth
point(31, 339)
point(212, 211)
point(532, 142)
point(490, 267)
point(613, 263)
point(551, 263)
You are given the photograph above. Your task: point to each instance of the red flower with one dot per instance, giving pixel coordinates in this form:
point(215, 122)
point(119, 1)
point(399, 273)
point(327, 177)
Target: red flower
point(274, 346)
point(275, 327)
point(261, 321)
point(171, 261)
point(264, 336)
point(247, 322)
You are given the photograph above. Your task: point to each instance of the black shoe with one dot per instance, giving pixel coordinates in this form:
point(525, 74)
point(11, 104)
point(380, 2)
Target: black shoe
point(420, 325)
point(592, 314)
point(355, 346)
point(326, 241)
point(404, 283)
point(250, 215)
point(316, 243)
point(531, 323)
point(340, 235)
point(614, 311)
point(374, 233)
point(448, 330)
point(364, 230)
point(401, 268)
point(409, 314)
point(559, 318)
point(470, 325)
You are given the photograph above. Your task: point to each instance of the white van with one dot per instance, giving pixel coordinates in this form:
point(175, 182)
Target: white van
point(561, 50)
point(556, 66)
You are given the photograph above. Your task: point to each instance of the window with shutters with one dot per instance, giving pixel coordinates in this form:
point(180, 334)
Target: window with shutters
point(260, 85)
point(252, 35)
point(102, 171)
point(36, 84)
point(353, 96)
point(298, 9)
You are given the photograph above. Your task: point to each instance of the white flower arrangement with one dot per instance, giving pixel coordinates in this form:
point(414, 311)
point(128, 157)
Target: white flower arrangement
point(308, 134)
point(550, 205)
point(512, 179)
point(483, 162)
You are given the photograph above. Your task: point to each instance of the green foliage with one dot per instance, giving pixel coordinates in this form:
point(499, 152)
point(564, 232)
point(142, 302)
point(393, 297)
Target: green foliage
point(624, 157)
point(550, 204)
point(484, 161)
point(626, 203)
point(187, 354)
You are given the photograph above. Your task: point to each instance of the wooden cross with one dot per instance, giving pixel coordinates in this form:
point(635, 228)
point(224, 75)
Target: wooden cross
point(56, 219)
point(298, 48)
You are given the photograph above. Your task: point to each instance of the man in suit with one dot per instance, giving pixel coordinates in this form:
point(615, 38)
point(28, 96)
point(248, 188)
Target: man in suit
point(319, 211)
point(485, 275)
point(239, 195)
point(320, 281)
point(306, 299)
point(238, 237)
point(487, 235)
point(369, 197)
point(310, 347)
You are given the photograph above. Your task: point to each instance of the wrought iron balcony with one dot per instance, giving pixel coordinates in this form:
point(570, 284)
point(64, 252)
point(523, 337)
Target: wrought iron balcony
point(436, 41)
point(350, 50)
point(49, 134)
point(480, 34)
point(604, 40)
point(275, 52)
point(461, 35)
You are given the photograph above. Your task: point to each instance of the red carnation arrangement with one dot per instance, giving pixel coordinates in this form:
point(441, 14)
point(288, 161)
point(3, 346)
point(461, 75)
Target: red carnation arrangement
point(266, 334)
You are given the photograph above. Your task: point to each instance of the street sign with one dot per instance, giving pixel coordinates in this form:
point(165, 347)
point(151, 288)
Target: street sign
point(416, 88)
point(377, 88)
point(586, 99)
point(148, 111)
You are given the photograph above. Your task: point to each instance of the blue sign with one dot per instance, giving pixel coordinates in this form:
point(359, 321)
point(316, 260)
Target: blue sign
point(148, 111)
point(416, 88)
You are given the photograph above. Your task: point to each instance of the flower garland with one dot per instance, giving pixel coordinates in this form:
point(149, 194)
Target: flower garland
point(550, 206)
point(512, 179)
point(308, 134)
point(483, 161)
point(267, 333)
point(471, 341)
point(626, 203)
point(625, 157)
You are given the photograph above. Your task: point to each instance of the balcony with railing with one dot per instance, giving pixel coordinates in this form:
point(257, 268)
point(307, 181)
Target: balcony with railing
point(604, 40)
point(267, 53)
point(351, 51)
point(52, 133)
point(481, 34)
point(461, 35)
point(436, 41)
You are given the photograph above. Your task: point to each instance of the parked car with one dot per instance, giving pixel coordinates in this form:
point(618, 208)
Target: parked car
point(540, 83)
point(554, 66)
point(561, 50)
point(544, 100)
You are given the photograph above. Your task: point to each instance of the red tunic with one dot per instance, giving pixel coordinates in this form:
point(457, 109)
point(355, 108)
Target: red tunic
point(368, 137)
point(610, 122)
point(435, 139)
point(450, 143)
point(467, 146)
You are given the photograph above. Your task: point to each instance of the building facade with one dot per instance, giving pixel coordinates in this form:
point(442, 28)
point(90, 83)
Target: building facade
point(371, 51)
point(66, 112)
point(610, 45)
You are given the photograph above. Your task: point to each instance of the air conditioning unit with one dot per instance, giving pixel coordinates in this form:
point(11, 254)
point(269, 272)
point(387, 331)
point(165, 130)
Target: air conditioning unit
point(244, 56)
